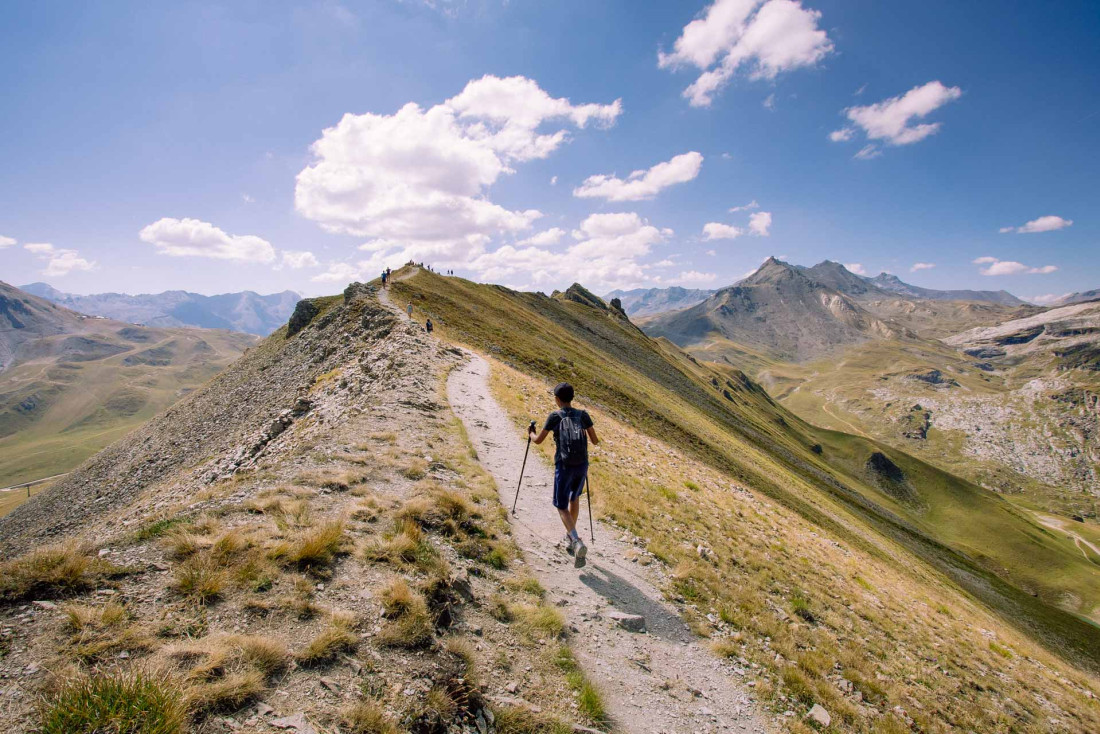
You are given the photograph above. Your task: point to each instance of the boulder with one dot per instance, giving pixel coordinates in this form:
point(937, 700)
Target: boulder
point(819, 715)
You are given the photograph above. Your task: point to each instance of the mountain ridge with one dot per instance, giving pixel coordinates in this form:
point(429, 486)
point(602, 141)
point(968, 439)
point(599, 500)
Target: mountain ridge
point(244, 311)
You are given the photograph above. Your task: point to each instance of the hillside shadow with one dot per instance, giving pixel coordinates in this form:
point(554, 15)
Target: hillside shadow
point(626, 597)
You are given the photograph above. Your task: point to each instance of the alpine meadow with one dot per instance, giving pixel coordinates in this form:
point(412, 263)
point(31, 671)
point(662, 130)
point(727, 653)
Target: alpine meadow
point(496, 367)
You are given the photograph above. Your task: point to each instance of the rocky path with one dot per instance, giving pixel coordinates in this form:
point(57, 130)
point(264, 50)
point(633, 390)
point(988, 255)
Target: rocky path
point(661, 679)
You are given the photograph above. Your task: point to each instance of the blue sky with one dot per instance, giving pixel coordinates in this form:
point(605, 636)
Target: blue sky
point(151, 146)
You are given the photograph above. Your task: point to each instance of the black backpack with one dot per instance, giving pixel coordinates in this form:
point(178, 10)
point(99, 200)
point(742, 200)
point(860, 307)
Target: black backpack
point(572, 440)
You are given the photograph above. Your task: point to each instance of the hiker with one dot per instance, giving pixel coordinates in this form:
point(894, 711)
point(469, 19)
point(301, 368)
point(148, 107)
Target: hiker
point(428, 326)
point(385, 275)
point(409, 310)
point(572, 430)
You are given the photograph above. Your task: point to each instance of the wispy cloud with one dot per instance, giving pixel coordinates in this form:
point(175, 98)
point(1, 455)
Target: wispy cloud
point(643, 184)
point(1049, 223)
point(921, 266)
point(59, 261)
point(996, 266)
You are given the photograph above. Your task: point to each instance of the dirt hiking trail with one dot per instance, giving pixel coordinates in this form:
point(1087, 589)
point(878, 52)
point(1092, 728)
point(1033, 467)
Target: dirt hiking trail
point(661, 680)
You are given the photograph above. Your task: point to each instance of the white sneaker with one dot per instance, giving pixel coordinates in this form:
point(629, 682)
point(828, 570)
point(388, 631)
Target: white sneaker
point(580, 550)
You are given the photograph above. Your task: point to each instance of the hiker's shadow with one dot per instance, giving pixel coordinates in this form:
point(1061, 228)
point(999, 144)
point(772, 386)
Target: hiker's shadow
point(660, 622)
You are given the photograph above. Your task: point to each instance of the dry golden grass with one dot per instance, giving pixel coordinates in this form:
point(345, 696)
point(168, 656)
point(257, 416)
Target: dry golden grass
point(409, 624)
point(415, 468)
point(539, 620)
point(898, 632)
point(96, 631)
point(337, 636)
point(227, 693)
point(367, 717)
point(312, 548)
point(200, 579)
point(51, 570)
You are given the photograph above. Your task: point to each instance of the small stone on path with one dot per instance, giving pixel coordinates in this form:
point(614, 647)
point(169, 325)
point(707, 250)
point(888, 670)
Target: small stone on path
point(629, 622)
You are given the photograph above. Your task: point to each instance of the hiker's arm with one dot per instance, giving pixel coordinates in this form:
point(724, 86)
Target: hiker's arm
point(592, 435)
point(541, 437)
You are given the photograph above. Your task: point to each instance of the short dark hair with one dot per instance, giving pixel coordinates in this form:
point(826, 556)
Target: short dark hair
point(563, 391)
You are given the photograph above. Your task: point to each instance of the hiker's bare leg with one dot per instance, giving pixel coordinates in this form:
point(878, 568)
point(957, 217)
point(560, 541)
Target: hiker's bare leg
point(575, 510)
point(568, 518)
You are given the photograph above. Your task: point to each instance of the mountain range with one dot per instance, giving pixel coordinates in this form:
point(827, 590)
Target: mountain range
point(70, 383)
point(246, 311)
point(644, 302)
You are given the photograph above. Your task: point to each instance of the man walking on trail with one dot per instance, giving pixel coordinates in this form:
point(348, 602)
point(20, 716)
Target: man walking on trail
point(572, 430)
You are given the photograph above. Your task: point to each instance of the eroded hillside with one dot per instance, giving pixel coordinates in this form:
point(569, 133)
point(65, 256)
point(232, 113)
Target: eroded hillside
point(306, 543)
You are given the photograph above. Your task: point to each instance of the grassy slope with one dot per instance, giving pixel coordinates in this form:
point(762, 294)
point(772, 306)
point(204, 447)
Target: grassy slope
point(986, 545)
point(838, 394)
point(86, 406)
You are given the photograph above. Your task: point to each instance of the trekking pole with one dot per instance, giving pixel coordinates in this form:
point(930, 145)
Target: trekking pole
point(588, 491)
point(514, 502)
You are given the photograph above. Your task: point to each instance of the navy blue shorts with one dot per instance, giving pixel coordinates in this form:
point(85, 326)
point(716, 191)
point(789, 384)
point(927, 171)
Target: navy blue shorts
point(568, 484)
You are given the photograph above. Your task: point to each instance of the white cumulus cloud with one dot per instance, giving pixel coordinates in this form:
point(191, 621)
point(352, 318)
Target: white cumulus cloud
point(643, 184)
point(996, 266)
point(6, 241)
point(763, 37)
point(856, 268)
point(550, 236)
point(195, 238)
point(296, 260)
point(921, 266)
point(59, 261)
point(760, 223)
point(892, 120)
point(606, 254)
point(420, 177)
point(719, 231)
point(1049, 223)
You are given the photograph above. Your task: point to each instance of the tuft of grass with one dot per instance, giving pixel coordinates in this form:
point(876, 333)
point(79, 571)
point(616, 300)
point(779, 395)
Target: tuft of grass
point(180, 543)
point(158, 528)
point(265, 654)
point(367, 717)
point(415, 469)
point(227, 693)
point(405, 546)
point(313, 548)
point(113, 703)
point(337, 636)
point(410, 624)
point(521, 720)
point(800, 605)
point(200, 579)
point(526, 585)
point(691, 485)
point(539, 620)
point(1001, 650)
point(51, 571)
point(589, 701)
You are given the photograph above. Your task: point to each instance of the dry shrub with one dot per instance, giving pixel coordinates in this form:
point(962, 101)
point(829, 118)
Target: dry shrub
point(182, 543)
point(539, 620)
point(336, 637)
point(415, 469)
point(51, 571)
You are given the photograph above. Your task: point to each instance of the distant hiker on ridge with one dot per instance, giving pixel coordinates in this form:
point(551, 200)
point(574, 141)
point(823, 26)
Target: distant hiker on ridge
point(572, 430)
point(409, 310)
point(428, 326)
point(385, 275)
